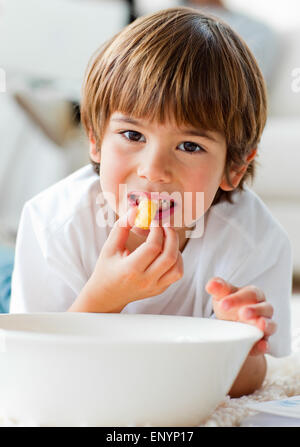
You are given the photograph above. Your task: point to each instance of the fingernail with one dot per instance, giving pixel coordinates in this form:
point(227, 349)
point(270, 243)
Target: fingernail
point(128, 218)
point(123, 220)
point(220, 281)
point(260, 295)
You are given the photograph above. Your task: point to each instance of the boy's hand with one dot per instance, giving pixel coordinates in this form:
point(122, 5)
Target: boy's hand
point(121, 277)
point(244, 304)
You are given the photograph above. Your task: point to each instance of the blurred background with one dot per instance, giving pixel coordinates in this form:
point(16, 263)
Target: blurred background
point(45, 46)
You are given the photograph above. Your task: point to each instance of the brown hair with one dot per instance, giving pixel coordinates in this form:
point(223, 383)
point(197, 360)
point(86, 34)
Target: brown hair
point(183, 64)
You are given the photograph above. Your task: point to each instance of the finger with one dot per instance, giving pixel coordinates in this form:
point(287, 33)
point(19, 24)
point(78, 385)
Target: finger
point(173, 274)
point(168, 257)
point(116, 241)
point(266, 325)
point(143, 256)
point(245, 295)
point(270, 327)
point(263, 309)
point(219, 288)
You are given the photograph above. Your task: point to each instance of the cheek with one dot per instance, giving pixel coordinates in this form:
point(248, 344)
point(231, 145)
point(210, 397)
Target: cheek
point(115, 168)
point(205, 181)
point(111, 175)
point(112, 165)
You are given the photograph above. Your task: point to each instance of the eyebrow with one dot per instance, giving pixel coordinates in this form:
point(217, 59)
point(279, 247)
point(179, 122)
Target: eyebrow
point(194, 132)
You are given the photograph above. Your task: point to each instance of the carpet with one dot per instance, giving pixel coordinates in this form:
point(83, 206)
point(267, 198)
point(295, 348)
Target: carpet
point(282, 381)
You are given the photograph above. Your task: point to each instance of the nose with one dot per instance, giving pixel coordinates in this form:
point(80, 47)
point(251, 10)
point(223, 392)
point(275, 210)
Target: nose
point(154, 165)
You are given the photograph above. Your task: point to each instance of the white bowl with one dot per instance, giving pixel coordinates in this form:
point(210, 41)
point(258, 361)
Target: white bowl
point(113, 370)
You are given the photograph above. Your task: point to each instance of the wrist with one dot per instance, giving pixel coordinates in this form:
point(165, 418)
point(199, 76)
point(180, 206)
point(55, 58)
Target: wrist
point(250, 377)
point(90, 300)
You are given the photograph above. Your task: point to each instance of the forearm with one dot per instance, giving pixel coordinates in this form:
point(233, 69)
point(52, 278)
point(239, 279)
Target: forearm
point(250, 377)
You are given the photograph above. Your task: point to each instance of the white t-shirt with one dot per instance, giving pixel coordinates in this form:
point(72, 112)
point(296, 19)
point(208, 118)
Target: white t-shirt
point(60, 239)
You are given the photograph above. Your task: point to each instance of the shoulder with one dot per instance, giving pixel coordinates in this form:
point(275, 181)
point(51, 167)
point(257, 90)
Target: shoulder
point(67, 223)
point(248, 221)
point(61, 202)
point(242, 241)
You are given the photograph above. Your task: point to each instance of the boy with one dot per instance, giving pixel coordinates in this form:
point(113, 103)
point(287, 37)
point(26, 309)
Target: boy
point(174, 105)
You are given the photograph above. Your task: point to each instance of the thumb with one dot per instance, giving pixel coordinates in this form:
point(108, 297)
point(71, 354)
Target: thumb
point(116, 241)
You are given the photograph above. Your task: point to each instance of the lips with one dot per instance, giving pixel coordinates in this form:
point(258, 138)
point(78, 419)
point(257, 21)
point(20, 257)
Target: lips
point(165, 201)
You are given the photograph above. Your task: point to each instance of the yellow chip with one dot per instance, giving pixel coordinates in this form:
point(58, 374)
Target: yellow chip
point(146, 211)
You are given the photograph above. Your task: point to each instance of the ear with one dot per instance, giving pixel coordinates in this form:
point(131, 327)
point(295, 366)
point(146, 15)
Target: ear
point(94, 152)
point(236, 176)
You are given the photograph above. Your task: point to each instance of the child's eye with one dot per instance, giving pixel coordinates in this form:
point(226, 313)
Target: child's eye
point(132, 135)
point(191, 147)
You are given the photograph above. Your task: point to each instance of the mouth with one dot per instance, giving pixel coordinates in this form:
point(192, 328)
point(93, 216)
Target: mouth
point(165, 204)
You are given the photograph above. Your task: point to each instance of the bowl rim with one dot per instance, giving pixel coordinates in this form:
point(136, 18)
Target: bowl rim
point(38, 336)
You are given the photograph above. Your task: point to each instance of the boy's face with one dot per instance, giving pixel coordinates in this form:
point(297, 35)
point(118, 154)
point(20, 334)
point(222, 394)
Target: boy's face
point(147, 157)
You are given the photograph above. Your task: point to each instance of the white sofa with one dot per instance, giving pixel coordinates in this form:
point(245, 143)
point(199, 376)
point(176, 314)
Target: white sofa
point(49, 41)
point(278, 173)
